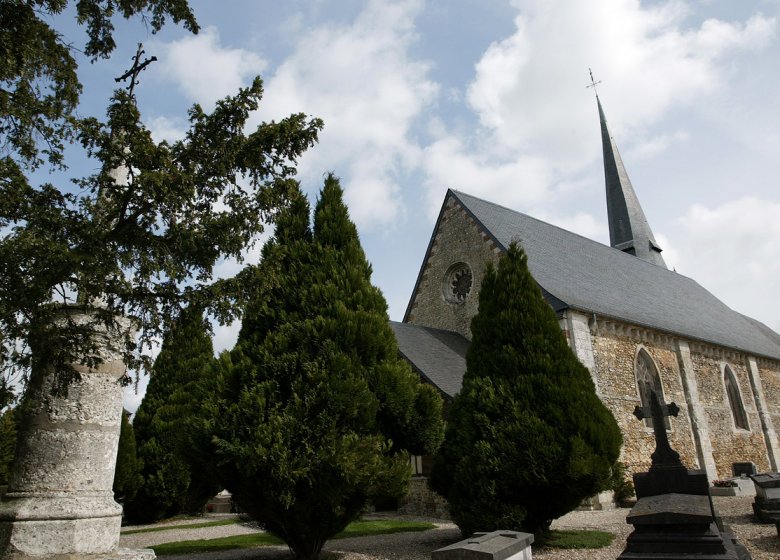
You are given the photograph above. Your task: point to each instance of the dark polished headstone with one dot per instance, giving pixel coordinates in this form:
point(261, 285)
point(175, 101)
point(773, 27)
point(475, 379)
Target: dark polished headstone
point(743, 469)
point(674, 518)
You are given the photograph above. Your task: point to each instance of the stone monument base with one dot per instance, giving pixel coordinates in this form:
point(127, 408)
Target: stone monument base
point(39, 524)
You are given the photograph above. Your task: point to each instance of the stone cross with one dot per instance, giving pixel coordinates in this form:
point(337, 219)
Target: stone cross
point(663, 456)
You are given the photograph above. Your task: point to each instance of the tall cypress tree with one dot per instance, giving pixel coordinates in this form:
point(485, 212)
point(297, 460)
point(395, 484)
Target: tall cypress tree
point(527, 438)
point(317, 411)
point(168, 425)
point(127, 475)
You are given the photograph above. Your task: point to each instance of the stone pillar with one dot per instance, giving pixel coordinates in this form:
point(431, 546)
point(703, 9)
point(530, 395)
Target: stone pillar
point(60, 500)
point(578, 325)
point(770, 436)
point(699, 424)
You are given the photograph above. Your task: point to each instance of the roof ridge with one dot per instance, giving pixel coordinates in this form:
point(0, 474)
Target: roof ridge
point(569, 232)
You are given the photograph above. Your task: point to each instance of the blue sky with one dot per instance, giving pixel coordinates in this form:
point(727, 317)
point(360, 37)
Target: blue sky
point(489, 97)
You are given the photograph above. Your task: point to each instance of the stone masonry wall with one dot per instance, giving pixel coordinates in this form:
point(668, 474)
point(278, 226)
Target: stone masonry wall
point(769, 373)
point(729, 444)
point(615, 346)
point(458, 240)
point(422, 501)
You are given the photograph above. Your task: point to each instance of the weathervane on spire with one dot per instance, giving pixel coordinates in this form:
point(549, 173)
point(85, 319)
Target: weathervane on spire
point(593, 83)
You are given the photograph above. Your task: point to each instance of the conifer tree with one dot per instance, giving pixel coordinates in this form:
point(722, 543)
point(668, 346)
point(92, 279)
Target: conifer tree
point(168, 421)
point(127, 475)
point(527, 438)
point(317, 412)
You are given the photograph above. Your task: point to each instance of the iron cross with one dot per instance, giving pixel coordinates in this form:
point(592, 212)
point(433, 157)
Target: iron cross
point(137, 67)
point(593, 82)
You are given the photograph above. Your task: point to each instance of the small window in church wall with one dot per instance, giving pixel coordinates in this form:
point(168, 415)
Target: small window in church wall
point(647, 379)
point(735, 399)
point(456, 284)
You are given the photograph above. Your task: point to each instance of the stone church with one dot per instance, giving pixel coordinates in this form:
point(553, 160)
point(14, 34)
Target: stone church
point(635, 324)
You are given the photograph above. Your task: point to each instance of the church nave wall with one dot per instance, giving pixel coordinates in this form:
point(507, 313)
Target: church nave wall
point(730, 443)
point(615, 348)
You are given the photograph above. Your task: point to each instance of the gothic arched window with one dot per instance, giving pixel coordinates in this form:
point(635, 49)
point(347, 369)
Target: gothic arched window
point(735, 399)
point(647, 380)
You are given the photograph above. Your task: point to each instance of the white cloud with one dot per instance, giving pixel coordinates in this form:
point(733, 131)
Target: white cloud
point(731, 246)
point(225, 336)
point(205, 70)
point(529, 90)
point(360, 79)
point(164, 128)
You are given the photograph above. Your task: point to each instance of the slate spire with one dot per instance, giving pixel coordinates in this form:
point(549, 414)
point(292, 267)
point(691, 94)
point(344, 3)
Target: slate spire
point(628, 227)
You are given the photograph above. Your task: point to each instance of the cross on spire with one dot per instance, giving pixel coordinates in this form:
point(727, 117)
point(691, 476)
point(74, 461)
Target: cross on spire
point(593, 82)
point(663, 456)
point(137, 67)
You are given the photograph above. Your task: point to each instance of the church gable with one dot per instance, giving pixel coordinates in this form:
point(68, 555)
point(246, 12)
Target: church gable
point(447, 289)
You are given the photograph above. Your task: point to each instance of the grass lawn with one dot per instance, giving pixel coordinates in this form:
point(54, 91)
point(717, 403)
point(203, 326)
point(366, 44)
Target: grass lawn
point(356, 529)
point(172, 526)
point(585, 538)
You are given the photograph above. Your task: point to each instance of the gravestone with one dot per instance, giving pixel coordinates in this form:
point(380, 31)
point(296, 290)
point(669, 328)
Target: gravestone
point(743, 469)
point(60, 501)
point(674, 518)
point(766, 504)
point(498, 545)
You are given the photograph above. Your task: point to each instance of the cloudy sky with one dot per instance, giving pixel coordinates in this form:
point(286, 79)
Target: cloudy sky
point(489, 97)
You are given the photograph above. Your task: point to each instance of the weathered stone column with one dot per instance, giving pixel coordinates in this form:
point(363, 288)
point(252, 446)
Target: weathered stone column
point(60, 500)
point(699, 424)
point(770, 436)
point(578, 325)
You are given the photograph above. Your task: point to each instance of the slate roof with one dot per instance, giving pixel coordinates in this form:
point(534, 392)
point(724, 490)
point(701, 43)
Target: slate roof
point(591, 277)
point(438, 356)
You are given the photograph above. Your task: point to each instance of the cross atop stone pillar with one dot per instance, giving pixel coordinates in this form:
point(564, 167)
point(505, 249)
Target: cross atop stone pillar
point(60, 502)
point(664, 456)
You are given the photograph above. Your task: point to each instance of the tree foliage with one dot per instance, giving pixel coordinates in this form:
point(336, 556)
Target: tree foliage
point(140, 236)
point(317, 412)
point(127, 475)
point(168, 425)
point(39, 85)
point(8, 435)
point(527, 438)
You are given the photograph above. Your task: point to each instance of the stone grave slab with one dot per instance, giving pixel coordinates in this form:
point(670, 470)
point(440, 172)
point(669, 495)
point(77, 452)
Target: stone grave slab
point(498, 545)
point(766, 505)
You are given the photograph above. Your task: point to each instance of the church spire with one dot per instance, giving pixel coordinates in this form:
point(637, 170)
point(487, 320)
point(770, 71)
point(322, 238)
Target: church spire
point(628, 227)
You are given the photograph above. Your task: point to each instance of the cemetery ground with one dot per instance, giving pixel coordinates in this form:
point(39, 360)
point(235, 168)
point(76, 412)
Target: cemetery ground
point(761, 540)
